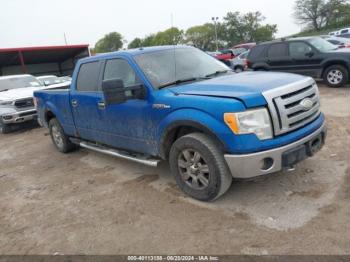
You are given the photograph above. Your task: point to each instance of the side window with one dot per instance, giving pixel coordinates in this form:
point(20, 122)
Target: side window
point(299, 49)
point(120, 69)
point(256, 52)
point(345, 31)
point(88, 77)
point(277, 50)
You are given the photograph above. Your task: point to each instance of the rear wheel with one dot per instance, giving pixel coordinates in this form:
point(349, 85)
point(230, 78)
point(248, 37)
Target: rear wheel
point(199, 167)
point(59, 138)
point(239, 69)
point(336, 76)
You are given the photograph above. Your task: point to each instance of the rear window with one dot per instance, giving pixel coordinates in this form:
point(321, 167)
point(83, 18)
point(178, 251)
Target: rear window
point(257, 52)
point(277, 50)
point(88, 77)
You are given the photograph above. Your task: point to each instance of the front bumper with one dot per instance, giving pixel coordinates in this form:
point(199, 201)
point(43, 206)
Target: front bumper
point(19, 117)
point(274, 160)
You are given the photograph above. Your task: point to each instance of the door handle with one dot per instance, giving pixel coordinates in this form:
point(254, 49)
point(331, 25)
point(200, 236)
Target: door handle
point(74, 103)
point(101, 105)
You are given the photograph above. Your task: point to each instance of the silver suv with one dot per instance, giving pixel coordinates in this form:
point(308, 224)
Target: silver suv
point(16, 100)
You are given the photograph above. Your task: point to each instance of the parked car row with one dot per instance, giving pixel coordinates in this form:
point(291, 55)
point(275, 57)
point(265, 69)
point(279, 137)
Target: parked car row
point(16, 97)
point(345, 32)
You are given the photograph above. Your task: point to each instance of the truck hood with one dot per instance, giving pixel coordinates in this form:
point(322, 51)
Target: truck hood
point(25, 92)
point(345, 51)
point(247, 86)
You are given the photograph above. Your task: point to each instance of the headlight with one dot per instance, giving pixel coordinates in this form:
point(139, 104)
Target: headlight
point(5, 103)
point(250, 122)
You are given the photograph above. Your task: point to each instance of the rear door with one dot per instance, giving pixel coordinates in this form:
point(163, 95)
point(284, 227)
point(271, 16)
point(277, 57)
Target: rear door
point(84, 99)
point(278, 58)
point(305, 59)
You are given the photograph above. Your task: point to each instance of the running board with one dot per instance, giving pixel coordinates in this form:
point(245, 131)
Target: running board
point(142, 159)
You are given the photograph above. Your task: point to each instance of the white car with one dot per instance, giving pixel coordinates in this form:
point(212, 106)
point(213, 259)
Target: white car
point(16, 100)
point(343, 31)
point(50, 80)
point(334, 33)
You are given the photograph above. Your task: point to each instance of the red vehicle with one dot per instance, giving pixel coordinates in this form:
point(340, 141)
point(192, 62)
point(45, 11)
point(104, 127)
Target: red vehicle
point(224, 55)
point(241, 48)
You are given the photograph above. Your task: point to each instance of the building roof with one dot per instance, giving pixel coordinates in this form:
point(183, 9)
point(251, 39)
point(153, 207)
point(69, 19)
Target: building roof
point(40, 54)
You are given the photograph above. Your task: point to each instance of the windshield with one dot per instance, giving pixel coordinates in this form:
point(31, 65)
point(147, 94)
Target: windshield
point(18, 82)
point(49, 80)
point(178, 64)
point(322, 45)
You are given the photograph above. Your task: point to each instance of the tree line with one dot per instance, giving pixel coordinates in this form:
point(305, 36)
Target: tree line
point(235, 27)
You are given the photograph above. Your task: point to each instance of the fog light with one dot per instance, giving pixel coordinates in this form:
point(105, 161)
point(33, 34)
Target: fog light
point(266, 163)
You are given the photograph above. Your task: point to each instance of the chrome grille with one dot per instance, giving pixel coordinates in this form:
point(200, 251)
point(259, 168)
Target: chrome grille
point(287, 105)
point(23, 103)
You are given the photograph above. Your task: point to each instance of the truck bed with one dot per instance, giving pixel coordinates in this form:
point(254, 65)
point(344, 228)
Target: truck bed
point(58, 102)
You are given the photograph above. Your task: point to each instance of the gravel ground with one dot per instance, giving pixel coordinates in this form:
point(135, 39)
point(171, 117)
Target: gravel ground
point(88, 203)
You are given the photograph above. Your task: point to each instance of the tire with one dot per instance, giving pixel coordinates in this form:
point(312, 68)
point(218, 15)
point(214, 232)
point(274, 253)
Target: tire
point(59, 138)
point(238, 69)
point(209, 164)
point(4, 129)
point(336, 76)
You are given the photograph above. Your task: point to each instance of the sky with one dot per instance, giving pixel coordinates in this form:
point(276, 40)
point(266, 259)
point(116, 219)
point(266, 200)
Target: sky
point(44, 22)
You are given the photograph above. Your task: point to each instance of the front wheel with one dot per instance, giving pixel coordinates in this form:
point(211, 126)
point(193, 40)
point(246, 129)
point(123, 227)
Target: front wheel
point(336, 76)
point(199, 167)
point(59, 138)
point(4, 129)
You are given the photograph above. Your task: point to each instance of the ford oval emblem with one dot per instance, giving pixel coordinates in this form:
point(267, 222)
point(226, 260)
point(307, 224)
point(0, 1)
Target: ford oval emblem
point(306, 104)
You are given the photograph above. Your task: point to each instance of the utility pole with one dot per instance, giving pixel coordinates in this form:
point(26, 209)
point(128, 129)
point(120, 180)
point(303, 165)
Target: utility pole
point(172, 26)
point(65, 38)
point(215, 20)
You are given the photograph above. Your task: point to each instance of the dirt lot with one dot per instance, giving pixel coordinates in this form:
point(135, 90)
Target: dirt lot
point(88, 203)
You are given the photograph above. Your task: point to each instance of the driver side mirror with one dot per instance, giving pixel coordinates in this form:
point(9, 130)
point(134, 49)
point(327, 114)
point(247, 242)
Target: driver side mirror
point(310, 54)
point(113, 91)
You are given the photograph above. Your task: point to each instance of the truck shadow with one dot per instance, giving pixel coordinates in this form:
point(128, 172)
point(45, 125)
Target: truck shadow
point(23, 127)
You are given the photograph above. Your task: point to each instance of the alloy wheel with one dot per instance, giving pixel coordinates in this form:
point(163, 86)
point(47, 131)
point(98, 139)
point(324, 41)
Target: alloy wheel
point(335, 77)
point(57, 137)
point(193, 169)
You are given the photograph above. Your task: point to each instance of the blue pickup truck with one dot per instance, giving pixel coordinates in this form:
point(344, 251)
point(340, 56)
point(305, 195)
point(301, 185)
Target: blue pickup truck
point(180, 104)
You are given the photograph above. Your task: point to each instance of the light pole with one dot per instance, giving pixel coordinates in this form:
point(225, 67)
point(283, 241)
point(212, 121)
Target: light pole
point(215, 20)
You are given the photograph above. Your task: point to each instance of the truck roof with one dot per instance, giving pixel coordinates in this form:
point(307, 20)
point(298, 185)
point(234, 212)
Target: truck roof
point(136, 51)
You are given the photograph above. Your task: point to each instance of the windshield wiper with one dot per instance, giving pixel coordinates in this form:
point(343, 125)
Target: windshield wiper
point(180, 81)
point(218, 73)
point(4, 90)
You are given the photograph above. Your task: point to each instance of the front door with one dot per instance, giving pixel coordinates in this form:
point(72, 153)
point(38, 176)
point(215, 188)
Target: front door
point(305, 60)
point(127, 125)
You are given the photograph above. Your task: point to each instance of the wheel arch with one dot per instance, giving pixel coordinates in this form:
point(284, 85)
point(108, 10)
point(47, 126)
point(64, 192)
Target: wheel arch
point(181, 128)
point(329, 63)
